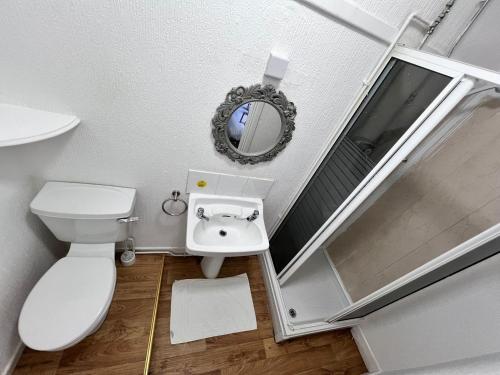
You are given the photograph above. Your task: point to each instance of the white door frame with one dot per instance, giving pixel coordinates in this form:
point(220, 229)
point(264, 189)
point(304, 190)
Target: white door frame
point(251, 126)
point(437, 110)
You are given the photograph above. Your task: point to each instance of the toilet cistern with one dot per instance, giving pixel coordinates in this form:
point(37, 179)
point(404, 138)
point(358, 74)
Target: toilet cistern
point(224, 226)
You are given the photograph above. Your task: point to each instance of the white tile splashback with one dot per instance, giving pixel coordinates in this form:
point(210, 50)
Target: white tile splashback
point(227, 184)
point(231, 185)
point(195, 177)
point(257, 187)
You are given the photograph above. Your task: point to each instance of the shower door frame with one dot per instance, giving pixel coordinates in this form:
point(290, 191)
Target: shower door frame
point(284, 328)
point(457, 71)
point(475, 248)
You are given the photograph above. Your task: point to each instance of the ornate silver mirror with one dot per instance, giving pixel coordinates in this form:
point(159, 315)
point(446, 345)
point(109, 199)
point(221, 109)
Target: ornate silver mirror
point(253, 124)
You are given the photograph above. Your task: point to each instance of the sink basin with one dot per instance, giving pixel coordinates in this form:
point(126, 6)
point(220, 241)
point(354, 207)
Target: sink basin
point(227, 232)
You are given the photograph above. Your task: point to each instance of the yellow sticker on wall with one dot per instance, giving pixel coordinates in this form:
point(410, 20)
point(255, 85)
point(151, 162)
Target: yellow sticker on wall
point(201, 183)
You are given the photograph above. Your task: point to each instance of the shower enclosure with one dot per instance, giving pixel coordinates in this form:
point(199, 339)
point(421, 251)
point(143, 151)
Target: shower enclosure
point(406, 194)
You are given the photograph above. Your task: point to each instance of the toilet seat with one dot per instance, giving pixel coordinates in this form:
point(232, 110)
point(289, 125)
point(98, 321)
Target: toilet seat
point(68, 302)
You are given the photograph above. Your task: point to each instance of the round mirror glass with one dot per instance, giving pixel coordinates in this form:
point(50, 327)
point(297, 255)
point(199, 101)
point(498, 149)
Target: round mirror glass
point(254, 128)
point(253, 124)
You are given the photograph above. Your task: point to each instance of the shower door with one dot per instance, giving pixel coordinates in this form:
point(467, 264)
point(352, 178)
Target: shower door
point(439, 214)
point(388, 155)
point(401, 99)
point(412, 93)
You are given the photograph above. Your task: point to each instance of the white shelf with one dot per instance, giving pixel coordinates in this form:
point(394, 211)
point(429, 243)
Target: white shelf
point(19, 125)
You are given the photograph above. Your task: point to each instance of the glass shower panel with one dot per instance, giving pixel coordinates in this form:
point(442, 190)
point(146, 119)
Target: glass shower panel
point(400, 95)
point(451, 194)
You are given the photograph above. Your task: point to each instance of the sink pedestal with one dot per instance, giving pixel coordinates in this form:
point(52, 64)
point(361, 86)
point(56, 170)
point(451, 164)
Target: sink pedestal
point(211, 266)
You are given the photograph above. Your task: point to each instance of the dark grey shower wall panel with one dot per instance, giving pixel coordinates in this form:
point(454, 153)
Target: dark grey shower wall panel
point(328, 191)
point(400, 95)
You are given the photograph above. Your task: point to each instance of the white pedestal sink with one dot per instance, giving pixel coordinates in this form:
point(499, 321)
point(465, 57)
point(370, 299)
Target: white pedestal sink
point(224, 226)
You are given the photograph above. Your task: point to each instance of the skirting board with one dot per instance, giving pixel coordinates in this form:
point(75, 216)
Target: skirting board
point(11, 364)
point(366, 351)
point(174, 251)
point(171, 250)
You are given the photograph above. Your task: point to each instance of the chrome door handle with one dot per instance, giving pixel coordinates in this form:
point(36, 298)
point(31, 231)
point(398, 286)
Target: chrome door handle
point(131, 219)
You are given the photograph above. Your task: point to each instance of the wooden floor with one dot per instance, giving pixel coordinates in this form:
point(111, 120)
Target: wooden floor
point(252, 352)
point(120, 346)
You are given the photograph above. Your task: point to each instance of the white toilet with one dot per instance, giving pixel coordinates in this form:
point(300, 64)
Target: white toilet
point(72, 298)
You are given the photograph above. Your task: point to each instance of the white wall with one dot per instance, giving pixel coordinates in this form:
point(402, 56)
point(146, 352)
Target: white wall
point(145, 78)
point(479, 45)
point(484, 365)
point(27, 250)
point(454, 319)
point(457, 318)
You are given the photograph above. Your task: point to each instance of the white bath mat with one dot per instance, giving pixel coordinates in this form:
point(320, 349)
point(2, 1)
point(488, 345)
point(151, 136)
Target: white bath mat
point(204, 308)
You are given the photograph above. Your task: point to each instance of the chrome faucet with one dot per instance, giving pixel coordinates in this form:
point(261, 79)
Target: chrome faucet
point(253, 216)
point(200, 214)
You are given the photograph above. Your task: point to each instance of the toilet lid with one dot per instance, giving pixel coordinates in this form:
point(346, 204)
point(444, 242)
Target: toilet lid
point(67, 302)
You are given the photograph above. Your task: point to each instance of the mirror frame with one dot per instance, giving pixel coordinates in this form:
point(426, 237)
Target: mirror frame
point(239, 96)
